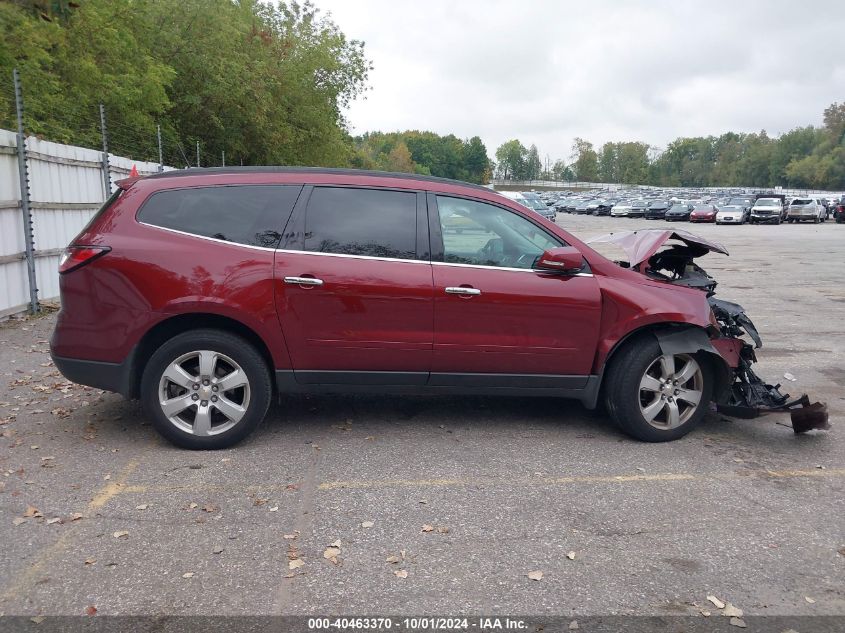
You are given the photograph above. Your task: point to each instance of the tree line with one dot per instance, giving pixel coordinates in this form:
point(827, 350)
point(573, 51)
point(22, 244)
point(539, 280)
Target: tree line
point(264, 82)
point(421, 152)
point(805, 157)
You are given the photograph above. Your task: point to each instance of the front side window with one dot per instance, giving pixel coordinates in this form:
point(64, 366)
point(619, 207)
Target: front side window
point(487, 235)
point(370, 222)
point(245, 214)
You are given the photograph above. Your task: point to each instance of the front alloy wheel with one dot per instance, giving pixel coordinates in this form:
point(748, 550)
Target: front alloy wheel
point(670, 391)
point(654, 396)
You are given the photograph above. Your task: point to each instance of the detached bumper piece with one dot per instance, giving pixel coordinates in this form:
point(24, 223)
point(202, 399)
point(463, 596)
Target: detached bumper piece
point(751, 397)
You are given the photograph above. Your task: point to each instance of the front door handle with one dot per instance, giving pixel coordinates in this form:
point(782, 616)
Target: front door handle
point(461, 290)
point(304, 281)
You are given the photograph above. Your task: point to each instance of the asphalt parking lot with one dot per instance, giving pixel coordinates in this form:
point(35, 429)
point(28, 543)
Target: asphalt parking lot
point(742, 510)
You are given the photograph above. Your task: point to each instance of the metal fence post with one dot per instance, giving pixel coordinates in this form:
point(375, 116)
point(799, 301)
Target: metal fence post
point(23, 172)
point(160, 154)
point(198, 153)
point(106, 168)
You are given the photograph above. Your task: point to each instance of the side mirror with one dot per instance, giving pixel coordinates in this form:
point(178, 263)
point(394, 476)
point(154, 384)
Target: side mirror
point(561, 259)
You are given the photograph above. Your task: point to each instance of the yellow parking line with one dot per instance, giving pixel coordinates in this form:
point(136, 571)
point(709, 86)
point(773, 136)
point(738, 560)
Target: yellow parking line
point(24, 579)
point(602, 479)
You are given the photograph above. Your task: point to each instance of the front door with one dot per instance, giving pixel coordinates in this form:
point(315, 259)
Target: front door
point(494, 314)
point(355, 299)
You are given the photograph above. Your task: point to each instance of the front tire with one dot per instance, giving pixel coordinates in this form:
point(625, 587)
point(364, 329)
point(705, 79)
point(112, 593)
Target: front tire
point(657, 397)
point(206, 389)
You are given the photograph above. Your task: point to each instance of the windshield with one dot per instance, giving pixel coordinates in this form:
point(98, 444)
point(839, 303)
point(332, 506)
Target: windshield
point(703, 207)
point(767, 202)
point(738, 202)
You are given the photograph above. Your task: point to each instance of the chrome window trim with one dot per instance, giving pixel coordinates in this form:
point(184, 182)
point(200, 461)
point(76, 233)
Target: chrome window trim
point(381, 259)
point(205, 237)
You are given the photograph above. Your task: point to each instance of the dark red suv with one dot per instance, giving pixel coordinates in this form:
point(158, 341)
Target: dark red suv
point(203, 292)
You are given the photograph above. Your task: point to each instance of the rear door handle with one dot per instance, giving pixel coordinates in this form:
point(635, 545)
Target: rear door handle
point(304, 281)
point(460, 290)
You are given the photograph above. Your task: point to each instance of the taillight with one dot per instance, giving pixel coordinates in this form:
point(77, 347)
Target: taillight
point(77, 256)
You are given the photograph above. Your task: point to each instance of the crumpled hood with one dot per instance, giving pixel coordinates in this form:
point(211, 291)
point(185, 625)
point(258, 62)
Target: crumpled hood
point(642, 244)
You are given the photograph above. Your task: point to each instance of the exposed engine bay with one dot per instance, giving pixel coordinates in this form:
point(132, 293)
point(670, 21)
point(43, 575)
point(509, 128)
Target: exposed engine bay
point(668, 256)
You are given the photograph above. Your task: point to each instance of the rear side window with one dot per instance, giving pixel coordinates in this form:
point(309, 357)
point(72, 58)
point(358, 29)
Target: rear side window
point(372, 222)
point(245, 214)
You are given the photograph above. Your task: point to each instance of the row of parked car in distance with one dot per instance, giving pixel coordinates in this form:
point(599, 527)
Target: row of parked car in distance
point(728, 207)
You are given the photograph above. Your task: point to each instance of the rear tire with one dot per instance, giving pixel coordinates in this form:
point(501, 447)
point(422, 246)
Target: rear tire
point(206, 389)
point(641, 395)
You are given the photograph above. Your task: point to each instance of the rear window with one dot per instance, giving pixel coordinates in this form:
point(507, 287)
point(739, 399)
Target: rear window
point(245, 214)
point(372, 222)
point(801, 201)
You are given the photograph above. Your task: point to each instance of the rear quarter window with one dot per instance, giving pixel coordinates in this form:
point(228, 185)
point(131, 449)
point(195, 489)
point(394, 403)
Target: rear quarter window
point(253, 215)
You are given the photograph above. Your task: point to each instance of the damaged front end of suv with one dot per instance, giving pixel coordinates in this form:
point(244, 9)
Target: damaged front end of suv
point(747, 396)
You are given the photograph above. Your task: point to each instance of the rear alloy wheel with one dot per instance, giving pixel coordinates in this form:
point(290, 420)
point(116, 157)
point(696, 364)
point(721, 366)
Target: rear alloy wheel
point(206, 389)
point(654, 396)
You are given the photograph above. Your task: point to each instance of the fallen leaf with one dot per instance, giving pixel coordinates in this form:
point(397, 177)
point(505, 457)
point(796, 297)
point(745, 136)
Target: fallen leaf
point(121, 534)
point(90, 561)
point(274, 509)
point(91, 610)
point(737, 622)
point(427, 528)
point(842, 551)
point(336, 543)
point(573, 626)
point(442, 529)
point(392, 559)
point(54, 520)
point(331, 554)
point(32, 511)
point(731, 611)
point(258, 501)
point(18, 521)
point(296, 563)
point(38, 619)
point(188, 574)
point(570, 555)
point(76, 516)
point(716, 602)
point(535, 575)
point(367, 524)
point(107, 477)
point(210, 507)
point(290, 536)
point(423, 501)
point(401, 573)
point(217, 550)
point(193, 505)
point(809, 599)
point(705, 613)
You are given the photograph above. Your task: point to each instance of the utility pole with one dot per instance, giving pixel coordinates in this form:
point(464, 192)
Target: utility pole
point(223, 152)
point(106, 169)
point(160, 154)
point(23, 173)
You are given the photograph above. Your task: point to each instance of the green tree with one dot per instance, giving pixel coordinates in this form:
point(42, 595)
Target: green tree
point(586, 160)
point(533, 166)
point(510, 160)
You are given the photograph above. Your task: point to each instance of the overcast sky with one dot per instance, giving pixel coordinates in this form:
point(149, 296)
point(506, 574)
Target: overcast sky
point(545, 72)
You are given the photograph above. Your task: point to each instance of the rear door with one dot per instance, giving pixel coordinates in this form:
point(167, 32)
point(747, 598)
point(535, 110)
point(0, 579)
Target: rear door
point(495, 317)
point(354, 288)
